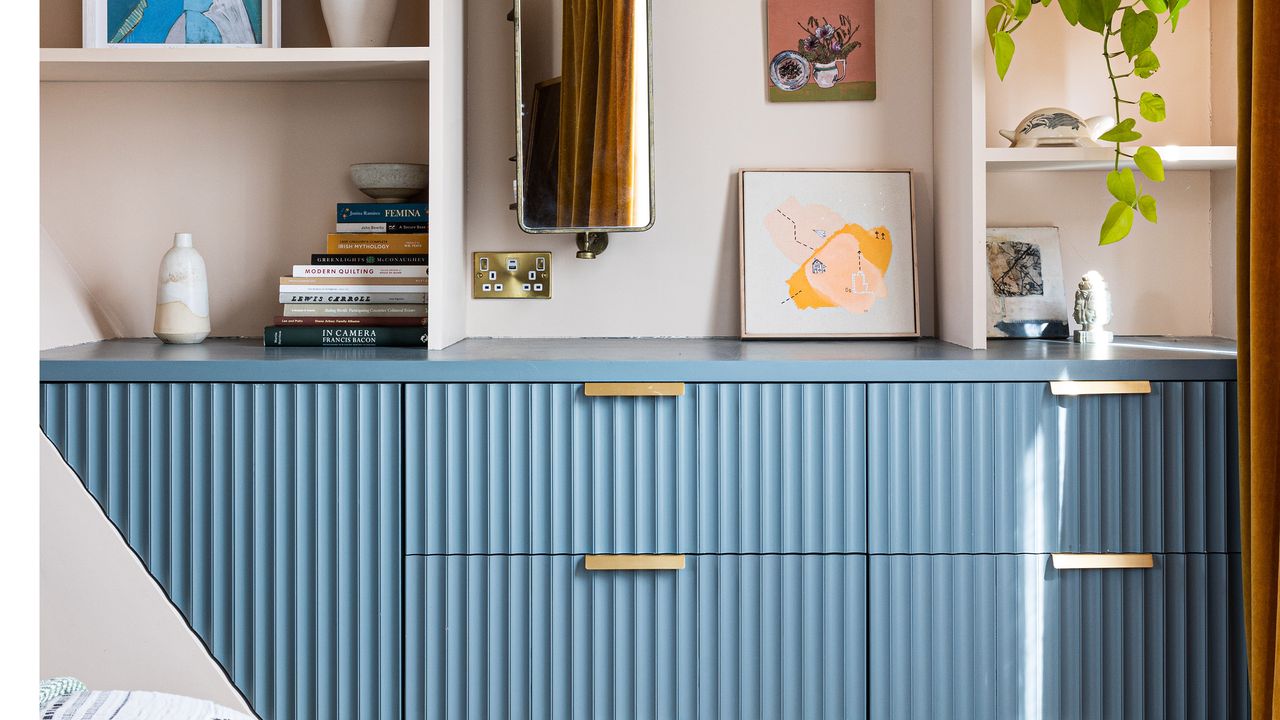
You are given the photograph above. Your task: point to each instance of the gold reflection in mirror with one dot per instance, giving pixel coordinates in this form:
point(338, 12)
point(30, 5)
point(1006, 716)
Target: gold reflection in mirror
point(585, 72)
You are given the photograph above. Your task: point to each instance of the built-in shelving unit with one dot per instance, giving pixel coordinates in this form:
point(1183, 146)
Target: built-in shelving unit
point(1172, 278)
point(1176, 158)
point(247, 148)
point(212, 64)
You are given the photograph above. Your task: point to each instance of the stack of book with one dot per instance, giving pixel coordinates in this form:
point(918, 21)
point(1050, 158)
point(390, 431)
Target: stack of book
point(368, 288)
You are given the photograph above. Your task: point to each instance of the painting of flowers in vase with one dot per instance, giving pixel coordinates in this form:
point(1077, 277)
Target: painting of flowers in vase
point(821, 50)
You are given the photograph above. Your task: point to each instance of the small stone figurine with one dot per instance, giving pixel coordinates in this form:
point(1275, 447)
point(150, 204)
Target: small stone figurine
point(1093, 309)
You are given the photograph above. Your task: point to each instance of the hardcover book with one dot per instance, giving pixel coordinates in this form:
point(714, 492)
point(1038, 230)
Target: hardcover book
point(369, 259)
point(359, 271)
point(390, 228)
point(410, 298)
point(365, 284)
point(349, 321)
point(366, 243)
point(273, 336)
point(382, 212)
point(354, 310)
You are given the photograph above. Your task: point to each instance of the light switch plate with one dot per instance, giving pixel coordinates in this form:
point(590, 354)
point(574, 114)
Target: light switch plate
point(511, 275)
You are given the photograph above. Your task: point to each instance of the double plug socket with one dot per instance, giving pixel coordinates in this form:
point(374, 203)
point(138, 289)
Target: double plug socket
point(511, 275)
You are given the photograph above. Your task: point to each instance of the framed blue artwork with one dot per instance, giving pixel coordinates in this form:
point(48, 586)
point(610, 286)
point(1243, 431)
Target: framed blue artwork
point(232, 23)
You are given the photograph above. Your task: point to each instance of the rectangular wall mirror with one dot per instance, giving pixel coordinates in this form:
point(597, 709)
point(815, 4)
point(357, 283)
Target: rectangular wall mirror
point(584, 116)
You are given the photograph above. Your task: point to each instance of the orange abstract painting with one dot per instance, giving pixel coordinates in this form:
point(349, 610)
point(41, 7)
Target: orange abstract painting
point(830, 266)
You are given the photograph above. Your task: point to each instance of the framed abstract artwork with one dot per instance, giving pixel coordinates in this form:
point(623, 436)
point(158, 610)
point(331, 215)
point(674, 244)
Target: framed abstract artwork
point(828, 254)
point(1026, 295)
point(821, 50)
point(170, 23)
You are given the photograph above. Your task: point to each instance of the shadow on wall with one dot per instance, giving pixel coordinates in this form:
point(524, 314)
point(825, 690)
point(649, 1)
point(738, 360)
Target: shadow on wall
point(69, 315)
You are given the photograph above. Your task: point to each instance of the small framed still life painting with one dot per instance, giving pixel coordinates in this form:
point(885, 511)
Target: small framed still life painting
point(828, 254)
point(170, 23)
point(821, 50)
point(1026, 295)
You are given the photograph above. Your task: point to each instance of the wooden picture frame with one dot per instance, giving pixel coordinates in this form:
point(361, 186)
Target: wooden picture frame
point(93, 32)
point(805, 302)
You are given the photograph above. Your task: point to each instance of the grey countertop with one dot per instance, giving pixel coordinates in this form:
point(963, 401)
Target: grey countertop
point(645, 360)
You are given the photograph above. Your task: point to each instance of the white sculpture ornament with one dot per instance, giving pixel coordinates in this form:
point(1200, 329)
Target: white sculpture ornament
point(1057, 127)
point(1093, 310)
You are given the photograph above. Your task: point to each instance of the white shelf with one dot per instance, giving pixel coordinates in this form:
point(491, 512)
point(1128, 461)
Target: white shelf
point(214, 64)
point(1044, 159)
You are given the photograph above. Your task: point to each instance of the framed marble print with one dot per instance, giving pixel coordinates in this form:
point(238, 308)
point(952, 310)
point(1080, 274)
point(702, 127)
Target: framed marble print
point(1026, 295)
point(828, 254)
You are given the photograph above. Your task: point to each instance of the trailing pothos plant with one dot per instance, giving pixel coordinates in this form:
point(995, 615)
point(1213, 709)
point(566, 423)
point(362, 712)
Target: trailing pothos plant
point(1136, 23)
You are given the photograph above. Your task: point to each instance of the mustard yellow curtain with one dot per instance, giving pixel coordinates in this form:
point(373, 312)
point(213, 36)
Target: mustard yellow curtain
point(596, 113)
point(1258, 248)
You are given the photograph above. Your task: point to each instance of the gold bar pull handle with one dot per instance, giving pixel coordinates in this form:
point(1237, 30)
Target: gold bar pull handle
point(633, 563)
point(607, 389)
point(1102, 561)
point(1073, 388)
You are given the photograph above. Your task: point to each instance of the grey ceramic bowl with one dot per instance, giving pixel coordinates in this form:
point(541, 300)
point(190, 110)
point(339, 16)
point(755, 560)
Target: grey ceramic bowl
point(390, 182)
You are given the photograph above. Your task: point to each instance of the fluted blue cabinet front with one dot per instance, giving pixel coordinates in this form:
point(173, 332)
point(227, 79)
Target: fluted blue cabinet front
point(1011, 468)
point(1011, 637)
point(761, 486)
point(729, 637)
point(542, 468)
point(270, 515)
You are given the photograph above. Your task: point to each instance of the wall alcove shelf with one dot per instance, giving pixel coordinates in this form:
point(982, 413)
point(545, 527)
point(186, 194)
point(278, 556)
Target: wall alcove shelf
point(1172, 278)
point(206, 64)
point(248, 149)
point(1176, 158)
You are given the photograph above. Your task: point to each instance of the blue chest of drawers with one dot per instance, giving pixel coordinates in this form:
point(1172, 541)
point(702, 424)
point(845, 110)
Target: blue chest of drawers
point(864, 531)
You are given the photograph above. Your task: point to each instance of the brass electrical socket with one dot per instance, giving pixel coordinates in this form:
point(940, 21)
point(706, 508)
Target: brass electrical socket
point(511, 275)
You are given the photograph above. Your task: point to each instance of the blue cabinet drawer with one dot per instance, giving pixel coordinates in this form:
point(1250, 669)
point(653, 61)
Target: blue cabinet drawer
point(270, 515)
point(542, 468)
point(1011, 468)
point(541, 638)
point(1011, 637)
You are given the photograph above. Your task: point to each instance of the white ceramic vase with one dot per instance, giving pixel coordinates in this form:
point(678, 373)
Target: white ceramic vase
point(182, 297)
point(358, 23)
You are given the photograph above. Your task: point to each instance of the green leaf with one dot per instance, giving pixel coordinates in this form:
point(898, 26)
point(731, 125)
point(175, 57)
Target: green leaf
point(1150, 163)
point(1147, 206)
point(1070, 11)
point(1156, 6)
point(1002, 43)
point(1109, 7)
point(1175, 11)
point(1146, 64)
point(1138, 31)
point(1021, 9)
point(994, 16)
point(1122, 133)
point(1092, 16)
point(1152, 107)
point(1122, 186)
point(1118, 224)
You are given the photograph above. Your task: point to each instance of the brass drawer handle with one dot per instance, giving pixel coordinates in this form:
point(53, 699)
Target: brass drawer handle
point(631, 563)
point(603, 389)
point(1111, 561)
point(1103, 387)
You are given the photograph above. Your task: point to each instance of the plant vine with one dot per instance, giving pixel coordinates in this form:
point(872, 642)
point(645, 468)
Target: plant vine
point(1137, 24)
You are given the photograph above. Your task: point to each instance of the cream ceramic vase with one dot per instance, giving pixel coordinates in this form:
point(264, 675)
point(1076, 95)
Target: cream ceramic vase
point(182, 297)
point(358, 23)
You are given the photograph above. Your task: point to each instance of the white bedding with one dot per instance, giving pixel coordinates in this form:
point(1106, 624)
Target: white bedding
point(131, 705)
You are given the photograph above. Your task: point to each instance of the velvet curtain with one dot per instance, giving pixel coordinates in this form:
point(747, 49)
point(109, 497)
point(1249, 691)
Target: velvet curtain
point(596, 112)
point(1258, 248)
